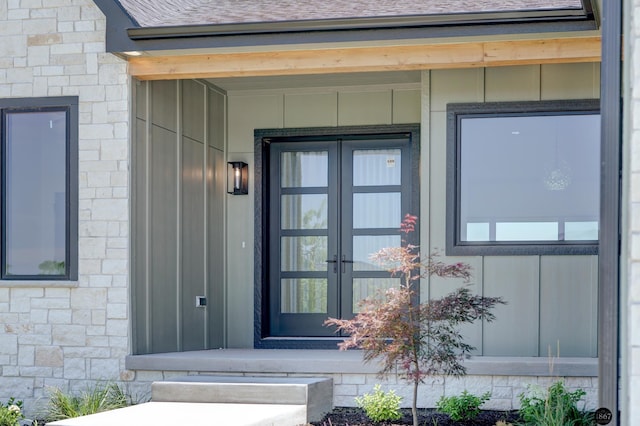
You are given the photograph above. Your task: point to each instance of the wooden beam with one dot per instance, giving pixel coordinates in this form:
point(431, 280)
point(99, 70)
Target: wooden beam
point(365, 59)
point(587, 49)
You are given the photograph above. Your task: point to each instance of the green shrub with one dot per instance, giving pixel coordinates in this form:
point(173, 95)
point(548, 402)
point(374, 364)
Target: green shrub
point(463, 407)
point(101, 397)
point(554, 407)
point(11, 413)
point(380, 406)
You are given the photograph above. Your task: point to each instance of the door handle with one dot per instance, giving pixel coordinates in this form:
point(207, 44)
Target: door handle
point(344, 261)
point(334, 261)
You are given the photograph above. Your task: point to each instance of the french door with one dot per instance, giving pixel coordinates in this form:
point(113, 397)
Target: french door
point(333, 201)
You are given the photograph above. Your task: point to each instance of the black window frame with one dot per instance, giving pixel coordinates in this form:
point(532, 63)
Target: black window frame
point(69, 104)
point(457, 112)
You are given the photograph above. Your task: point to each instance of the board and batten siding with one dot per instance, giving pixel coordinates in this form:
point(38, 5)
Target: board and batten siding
point(178, 216)
point(552, 300)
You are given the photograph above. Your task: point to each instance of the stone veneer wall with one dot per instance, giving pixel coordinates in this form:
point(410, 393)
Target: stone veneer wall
point(504, 389)
point(65, 333)
point(631, 305)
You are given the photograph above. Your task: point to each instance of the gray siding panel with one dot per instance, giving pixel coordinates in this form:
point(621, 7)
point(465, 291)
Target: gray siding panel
point(310, 109)
point(141, 88)
point(215, 246)
point(515, 330)
point(177, 218)
point(162, 240)
point(521, 83)
point(440, 287)
point(164, 104)
point(437, 213)
point(216, 119)
point(139, 241)
point(249, 113)
point(568, 300)
point(193, 245)
point(406, 106)
point(570, 81)
point(193, 111)
point(461, 85)
point(362, 108)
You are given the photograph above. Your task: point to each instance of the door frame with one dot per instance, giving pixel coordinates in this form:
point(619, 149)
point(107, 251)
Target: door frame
point(262, 139)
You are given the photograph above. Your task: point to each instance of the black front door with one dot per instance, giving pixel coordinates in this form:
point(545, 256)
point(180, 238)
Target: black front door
point(332, 202)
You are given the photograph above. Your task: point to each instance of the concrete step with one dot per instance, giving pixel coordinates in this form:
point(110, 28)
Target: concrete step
point(315, 394)
point(183, 413)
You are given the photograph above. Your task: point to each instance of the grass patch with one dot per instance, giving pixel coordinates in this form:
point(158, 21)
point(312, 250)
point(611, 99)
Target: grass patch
point(98, 398)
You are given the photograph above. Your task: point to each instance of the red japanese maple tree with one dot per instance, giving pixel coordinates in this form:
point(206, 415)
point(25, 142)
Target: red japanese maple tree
point(421, 339)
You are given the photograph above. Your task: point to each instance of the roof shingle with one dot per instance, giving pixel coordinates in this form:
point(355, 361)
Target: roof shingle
point(158, 13)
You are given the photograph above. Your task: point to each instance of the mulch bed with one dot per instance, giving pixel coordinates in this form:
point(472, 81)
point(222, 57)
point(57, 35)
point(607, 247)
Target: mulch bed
point(345, 416)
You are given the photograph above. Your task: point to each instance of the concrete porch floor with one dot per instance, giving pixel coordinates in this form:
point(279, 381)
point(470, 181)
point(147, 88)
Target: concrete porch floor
point(180, 413)
point(329, 362)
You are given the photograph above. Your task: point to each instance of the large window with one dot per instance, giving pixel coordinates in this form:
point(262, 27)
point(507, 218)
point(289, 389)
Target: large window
point(523, 178)
point(39, 188)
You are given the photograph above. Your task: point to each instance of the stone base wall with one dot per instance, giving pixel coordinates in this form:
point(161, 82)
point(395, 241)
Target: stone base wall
point(504, 389)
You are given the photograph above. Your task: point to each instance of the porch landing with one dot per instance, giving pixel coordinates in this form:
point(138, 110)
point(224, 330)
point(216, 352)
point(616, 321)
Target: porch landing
point(329, 362)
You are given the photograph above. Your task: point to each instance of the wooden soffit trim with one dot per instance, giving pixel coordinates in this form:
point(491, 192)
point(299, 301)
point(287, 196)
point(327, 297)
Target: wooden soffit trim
point(366, 59)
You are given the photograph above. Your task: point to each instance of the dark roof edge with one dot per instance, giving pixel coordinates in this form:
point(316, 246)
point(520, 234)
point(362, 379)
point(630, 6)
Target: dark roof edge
point(146, 33)
point(113, 10)
point(118, 20)
point(341, 36)
point(124, 34)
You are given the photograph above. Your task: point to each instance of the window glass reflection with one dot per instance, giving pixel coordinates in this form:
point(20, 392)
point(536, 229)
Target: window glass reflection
point(304, 211)
point(35, 193)
point(367, 211)
point(366, 245)
point(585, 231)
point(527, 231)
point(303, 296)
point(304, 169)
point(376, 167)
point(524, 175)
point(307, 253)
point(370, 287)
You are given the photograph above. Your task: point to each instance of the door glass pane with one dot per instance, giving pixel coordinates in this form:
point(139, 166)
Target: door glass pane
point(377, 210)
point(304, 211)
point(303, 296)
point(35, 197)
point(376, 167)
point(306, 253)
point(304, 169)
point(365, 245)
point(370, 287)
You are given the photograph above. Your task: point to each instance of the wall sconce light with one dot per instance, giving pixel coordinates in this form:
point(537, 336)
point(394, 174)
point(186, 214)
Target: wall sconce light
point(237, 178)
